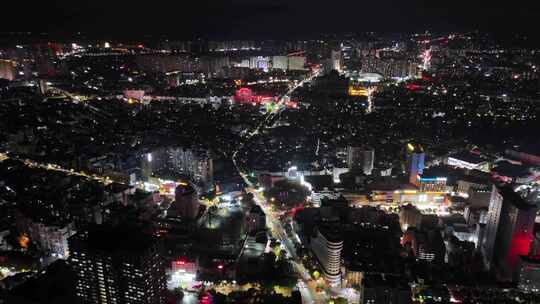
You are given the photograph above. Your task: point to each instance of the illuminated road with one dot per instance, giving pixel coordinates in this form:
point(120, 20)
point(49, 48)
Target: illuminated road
point(306, 285)
point(54, 167)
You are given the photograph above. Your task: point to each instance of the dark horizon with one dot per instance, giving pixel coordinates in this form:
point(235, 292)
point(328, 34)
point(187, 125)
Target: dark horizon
point(243, 19)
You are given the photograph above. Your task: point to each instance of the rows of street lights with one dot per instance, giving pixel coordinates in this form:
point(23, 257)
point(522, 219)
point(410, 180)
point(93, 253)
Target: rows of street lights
point(305, 285)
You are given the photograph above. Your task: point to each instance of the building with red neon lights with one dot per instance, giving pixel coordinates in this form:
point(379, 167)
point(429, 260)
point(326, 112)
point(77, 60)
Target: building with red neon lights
point(246, 95)
point(512, 219)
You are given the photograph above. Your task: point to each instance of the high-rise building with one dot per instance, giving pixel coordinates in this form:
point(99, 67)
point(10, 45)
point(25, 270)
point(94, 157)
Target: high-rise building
point(50, 236)
point(327, 246)
point(187, 202)
point(118, 265)
point(514, 235)
point(197, 165)
point(492, 224)
point(508, 233)
point(415, 162)
point(361, 159)
point(390, 67)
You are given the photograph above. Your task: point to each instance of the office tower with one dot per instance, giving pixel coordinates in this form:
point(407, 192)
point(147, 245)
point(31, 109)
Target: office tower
point(508, 233)
point(514, 234)
point(117, 264)
point(415, 162)
point(360, 159)
point(187, 202)
point(492, 223)
point(327, 246)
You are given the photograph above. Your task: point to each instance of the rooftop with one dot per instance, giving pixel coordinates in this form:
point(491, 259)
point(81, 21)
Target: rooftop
point(468, 156)
point(121, 238)
point(506, 168)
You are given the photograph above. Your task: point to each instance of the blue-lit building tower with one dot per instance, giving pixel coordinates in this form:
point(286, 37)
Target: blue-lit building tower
point(415, 162)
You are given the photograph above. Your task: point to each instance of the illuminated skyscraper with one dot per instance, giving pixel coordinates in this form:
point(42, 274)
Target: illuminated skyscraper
point(514, 235)
point(117, 265)
point(415, 162)
point(509, 232)
point(197, 165)
point(327, 246)
point(492, 223)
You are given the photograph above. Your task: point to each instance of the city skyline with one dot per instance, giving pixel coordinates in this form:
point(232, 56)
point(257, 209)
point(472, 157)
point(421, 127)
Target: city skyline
point(287, 152)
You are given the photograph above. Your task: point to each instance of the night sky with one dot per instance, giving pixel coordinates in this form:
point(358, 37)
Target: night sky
point(265, 18)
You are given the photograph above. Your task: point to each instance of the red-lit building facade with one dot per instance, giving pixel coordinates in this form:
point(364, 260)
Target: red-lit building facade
point(514, 232)
point(246, 95)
